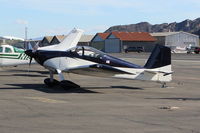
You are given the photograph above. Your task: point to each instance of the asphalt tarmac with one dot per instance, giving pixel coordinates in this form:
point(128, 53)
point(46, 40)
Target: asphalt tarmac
point(101, 105)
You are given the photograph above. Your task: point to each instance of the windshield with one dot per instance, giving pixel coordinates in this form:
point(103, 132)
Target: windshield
point(87, 51)
point(18, 50)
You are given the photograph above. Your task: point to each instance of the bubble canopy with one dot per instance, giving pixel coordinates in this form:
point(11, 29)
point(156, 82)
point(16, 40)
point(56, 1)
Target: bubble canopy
point(87, 51)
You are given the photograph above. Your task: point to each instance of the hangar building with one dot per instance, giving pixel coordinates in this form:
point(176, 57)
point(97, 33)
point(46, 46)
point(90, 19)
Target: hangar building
point(46, 41)
point(85, 40)
point(176, 39)
point(51, 40)
point(98, 41)
point(116, 42)
point(57, 39)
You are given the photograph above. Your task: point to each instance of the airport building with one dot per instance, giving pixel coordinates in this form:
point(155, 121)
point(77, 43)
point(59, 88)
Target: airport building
point(176, 39)
point(116, 42)
point(2, 40)
point(57, 39)
point(46, 41)
point(98, 41)
point(85, 40)
point(51, 40)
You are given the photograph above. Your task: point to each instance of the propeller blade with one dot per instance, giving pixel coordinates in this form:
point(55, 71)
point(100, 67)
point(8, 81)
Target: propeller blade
point(29, 53)
point(36, 46)
point(30, 61)
point(29, 46)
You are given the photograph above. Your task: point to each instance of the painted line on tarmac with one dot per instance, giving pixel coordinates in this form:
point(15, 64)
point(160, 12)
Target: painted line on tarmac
point(192, 61)
point(45, 100)
point(188, 78)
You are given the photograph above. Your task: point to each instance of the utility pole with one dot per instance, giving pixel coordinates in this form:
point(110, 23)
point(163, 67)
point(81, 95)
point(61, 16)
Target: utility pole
point(26, 36)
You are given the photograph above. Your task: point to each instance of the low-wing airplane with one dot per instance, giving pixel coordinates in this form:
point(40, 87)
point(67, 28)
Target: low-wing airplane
point(12, 56)
point(67, 57)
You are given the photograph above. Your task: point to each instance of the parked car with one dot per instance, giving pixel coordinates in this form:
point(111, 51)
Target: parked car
point(134, 49)
point(195, 50)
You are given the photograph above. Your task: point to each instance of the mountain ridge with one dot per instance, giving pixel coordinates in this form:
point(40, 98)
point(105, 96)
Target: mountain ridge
point(191, 26)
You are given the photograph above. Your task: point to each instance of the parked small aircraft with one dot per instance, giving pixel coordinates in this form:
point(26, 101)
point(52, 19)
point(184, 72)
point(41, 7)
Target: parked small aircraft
point(12, 56)
point(67, 57)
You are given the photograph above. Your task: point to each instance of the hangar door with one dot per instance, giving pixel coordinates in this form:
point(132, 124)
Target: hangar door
point(112, 46)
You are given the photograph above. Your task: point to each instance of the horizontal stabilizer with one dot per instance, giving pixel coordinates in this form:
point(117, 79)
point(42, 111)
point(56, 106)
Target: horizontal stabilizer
point(155, 72)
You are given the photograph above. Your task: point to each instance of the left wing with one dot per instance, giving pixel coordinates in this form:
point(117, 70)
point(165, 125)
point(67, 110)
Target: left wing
point(98, 70)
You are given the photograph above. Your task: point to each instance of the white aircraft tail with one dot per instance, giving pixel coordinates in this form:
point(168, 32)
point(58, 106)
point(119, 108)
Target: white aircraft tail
point(70, 41)
point(159, 64)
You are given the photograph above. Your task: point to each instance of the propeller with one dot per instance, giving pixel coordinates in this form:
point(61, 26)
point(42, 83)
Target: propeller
point(31, 54)
point(31, 51)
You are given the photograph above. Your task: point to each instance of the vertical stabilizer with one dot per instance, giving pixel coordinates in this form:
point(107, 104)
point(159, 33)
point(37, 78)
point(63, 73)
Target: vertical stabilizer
point(160, 57)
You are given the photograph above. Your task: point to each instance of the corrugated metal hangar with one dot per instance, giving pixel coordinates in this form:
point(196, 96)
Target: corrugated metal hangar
point(176, 39)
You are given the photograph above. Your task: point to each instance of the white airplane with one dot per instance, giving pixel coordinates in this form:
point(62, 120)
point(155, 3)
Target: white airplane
point(179, 49)
point(67, 57)
point(12, 56)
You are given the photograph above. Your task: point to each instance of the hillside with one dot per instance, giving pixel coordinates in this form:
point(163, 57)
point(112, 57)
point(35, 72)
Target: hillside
point(191, 26)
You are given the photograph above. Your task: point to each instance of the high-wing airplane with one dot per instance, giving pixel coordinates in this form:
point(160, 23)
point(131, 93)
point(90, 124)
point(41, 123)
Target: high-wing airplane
point(67, 57)
point(12, 56)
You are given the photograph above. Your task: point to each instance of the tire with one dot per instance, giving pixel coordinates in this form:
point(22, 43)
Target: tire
point(48, 82)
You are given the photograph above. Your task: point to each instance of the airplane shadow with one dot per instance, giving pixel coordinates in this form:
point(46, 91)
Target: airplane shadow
point(29, 75)
point(25, 75)
point(116, 87)
point(58, 89)
point(29, 71)
point(43, 88)
point(128, 87)
point(178, 98)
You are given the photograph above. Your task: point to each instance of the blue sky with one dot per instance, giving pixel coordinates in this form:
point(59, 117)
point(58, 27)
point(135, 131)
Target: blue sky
point(50, 17)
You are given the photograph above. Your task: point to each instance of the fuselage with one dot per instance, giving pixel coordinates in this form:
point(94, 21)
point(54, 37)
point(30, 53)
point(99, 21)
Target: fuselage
point(11, 56)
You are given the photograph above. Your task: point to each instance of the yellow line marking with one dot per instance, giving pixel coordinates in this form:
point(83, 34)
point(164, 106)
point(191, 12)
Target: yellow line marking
point(45, 100)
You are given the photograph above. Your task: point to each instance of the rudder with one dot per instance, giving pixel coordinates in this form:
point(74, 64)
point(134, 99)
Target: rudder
point(160, 56)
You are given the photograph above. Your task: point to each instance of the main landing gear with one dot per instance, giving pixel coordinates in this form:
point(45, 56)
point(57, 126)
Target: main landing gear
point(66, 84)
point(164, 85)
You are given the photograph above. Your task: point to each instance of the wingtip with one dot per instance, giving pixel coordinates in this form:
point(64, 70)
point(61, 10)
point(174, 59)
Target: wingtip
point(77, 30)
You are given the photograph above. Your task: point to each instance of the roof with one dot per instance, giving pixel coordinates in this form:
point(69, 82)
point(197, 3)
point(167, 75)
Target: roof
point(103, 35)
point(134, 36)
point(171, 33)
point(60, 37)
point(48, 38)
point(86, 38)
point(163, 33)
